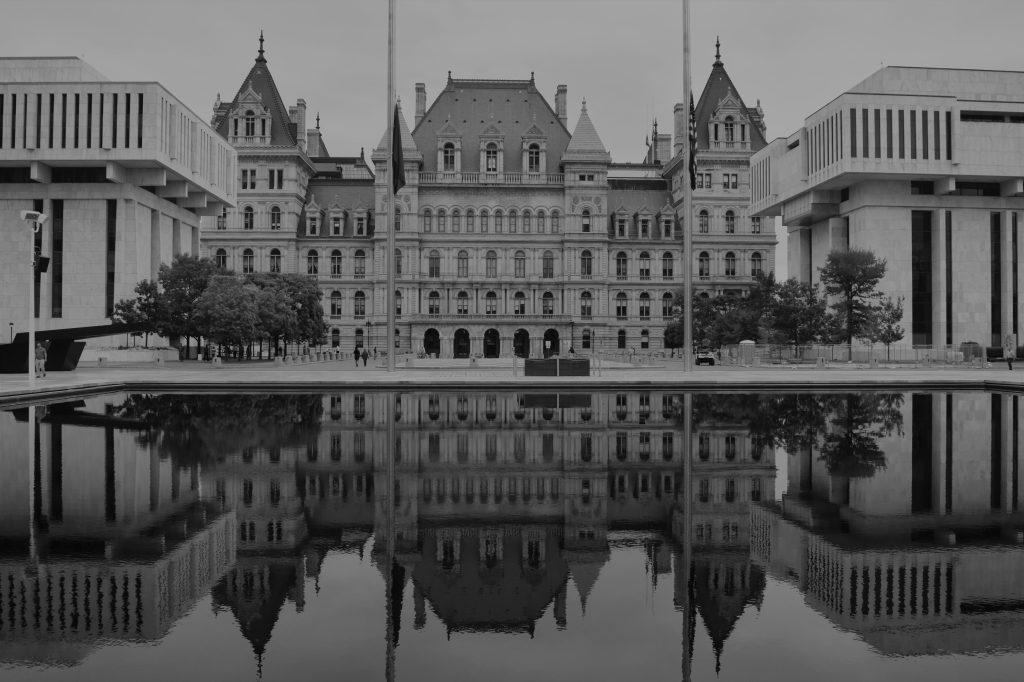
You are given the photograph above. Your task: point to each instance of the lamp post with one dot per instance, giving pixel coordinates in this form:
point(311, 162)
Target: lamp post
point(369, 334)
point(34, 220)
point(12, 324)
point(572, 337)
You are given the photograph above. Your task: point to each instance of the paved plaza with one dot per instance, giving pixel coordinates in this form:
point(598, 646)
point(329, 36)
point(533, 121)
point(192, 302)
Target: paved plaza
point(497, 374)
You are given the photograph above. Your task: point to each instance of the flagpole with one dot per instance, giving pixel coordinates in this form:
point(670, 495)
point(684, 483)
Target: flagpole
point(389, 253)
point(687, 201)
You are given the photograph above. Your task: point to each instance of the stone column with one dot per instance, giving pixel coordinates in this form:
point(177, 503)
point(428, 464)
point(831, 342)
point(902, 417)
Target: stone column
point(1006, 281)
point(940, 267)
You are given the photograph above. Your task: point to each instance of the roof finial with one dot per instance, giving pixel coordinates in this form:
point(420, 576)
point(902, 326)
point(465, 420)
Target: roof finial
point(718, 51)
point(318, 120)
point(449, 75)
point(260, 57)
point(584, 104)
point(531, 76)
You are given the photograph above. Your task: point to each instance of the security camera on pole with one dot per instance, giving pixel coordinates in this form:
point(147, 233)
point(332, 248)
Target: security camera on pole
point(35, 220)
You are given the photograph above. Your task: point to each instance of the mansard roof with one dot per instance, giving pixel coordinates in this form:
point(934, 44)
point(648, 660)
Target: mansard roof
point(718, 88)
point(515, 108)
point(586, 144)
point(282, 130)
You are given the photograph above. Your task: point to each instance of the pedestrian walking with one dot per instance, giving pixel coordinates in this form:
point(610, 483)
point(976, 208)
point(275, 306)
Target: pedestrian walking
point(375, 352)
point(366, 356)
point(40, 360)
point(355, 355)
point(1010, 349)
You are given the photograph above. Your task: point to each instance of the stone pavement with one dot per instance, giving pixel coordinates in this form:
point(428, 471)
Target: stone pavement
point(496, 374)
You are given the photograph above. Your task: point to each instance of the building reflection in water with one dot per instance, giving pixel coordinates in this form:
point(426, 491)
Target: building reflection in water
point(486, 511)
point(923, 553)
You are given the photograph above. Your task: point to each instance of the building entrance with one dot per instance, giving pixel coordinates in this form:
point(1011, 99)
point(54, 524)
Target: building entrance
point(521, 343)
point(432, 342)
point(461, 346)
point(550, 343)
point(492, 343)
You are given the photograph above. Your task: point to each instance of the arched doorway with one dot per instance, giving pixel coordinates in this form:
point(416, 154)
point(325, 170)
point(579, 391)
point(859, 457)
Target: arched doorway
point(550, 343)
point(521, 343)
point(461, 347)
point(432, 342)
point(335, 337)
point(492, 343)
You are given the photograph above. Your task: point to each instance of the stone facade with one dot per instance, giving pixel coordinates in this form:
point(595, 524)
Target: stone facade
point(924, 168)
point(122, 170)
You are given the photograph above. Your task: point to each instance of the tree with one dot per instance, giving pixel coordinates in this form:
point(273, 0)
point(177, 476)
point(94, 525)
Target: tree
point(797, 313)
point(182, 283)
point(144, 308)
point(228, 311)
point(853, 276)
point(305, 322)
point(884, 324)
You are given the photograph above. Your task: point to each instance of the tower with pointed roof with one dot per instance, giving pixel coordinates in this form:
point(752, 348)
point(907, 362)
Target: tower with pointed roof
point(730, 246)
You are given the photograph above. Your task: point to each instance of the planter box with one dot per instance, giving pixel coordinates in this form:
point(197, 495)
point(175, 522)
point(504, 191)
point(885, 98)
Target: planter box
point(556, 367)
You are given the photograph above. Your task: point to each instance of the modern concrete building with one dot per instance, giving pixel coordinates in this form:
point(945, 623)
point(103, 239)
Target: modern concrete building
point(924, 167)
point(123, 170)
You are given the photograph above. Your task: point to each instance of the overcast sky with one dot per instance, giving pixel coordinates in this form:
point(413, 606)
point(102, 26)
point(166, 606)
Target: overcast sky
point(623, 56)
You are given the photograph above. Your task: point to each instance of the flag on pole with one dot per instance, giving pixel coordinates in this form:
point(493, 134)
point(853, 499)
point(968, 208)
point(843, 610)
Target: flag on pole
point(693, 144)
point(397, 164)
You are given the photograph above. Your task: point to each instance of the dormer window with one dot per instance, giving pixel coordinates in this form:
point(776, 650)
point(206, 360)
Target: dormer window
point(250, 123)
point(645, 228)
point(336, 226)
point(491, 158)
point(730, 129)
point(448, 157)
point(312, 228)
point(361, 226)
point(620, 226)
point(533, 158)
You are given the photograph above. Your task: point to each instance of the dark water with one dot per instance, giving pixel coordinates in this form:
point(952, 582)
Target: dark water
point(512, 536)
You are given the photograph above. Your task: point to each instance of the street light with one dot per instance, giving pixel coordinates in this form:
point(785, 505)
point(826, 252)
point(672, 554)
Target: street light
point(35, 220)
point(572, 337)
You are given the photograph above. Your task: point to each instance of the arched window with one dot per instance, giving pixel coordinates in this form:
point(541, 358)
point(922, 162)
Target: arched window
point(434, 264)
point(585, 222)
point(513, 221)
point(645, 339)
point(275, 218)
point(360, 304)
point(221, 258)
point(556, 221)
point(621, 337)
point(527, 220)
point(730, 264)
point(586, 339)
point(442, 220)
point(645, 265)
point(621, 265)
point(520, 264)
point(448, 157)
point(428, 220)
point(499, 221)
point(586, 305)
point(360, 269)
point(666, 306)
point(586, 265)
point(250, 123)
point(519, 303)
point(667, 265)
point(491, 261)
point(533, 154)
point(248, 218)
point(645, 306)
point(434, 303)
point(485, 220)
point(462, 303)
point(756, 267)
point(470, 220)
point(398, 262)
point(312, 262)
point(702, 221)
point(491, 158)
point(335, 303)
point(621, 306)
point(491, 303)
point(463, 263)
point(730, 129)
point(730, 222)
point(548, 265)
point(704, 264)
point(398, 219)
point(456, 221)
point(398, 312)
point(548, 303)
point(541, 221)
point(275, 260)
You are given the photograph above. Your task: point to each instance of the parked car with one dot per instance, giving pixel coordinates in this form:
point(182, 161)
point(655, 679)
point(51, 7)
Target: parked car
point(705, 356)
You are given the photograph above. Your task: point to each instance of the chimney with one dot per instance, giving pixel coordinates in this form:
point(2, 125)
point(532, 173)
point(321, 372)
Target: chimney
point(313, 142)
point(560, 104)
point(682, 128)
point(663, 148)
point(298, 116)
point(421, 103)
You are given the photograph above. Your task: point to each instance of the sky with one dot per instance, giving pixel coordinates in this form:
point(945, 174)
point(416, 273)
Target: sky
point(624, 57)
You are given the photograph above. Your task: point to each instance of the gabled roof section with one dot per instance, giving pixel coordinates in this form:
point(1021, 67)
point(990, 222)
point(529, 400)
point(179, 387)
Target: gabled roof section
point(718, 88)
point(260, 81)
point(586, 144)
point(409, 148)
point(473, 105)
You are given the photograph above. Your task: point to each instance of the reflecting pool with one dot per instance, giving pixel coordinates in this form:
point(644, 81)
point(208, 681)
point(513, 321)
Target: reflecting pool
point(509, 536)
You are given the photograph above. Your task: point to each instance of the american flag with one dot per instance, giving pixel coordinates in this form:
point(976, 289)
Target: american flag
point(693, 144)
